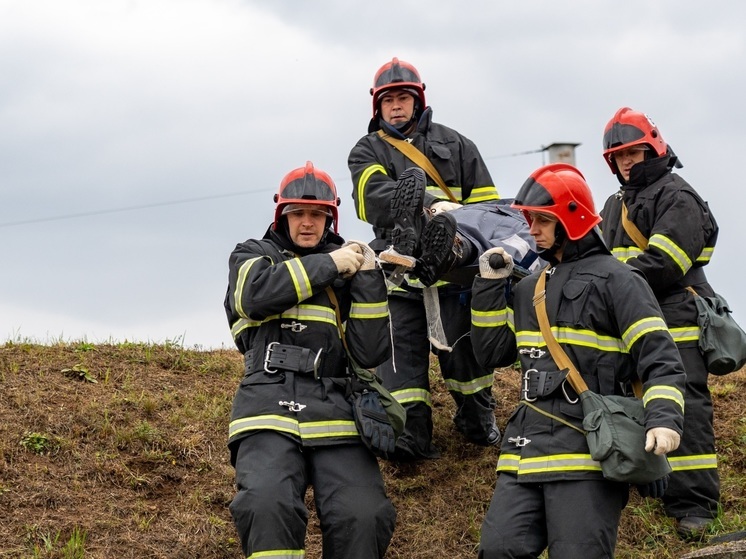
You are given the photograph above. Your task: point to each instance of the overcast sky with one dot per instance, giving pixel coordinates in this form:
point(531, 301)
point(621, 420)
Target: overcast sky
point(141, 140)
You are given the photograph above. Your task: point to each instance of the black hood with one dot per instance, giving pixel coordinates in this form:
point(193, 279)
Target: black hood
point(649, 171)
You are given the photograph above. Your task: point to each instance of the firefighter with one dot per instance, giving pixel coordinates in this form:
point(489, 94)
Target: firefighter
point(291, 424)
point(550, 493)
point(680, 232)
point(384, 180)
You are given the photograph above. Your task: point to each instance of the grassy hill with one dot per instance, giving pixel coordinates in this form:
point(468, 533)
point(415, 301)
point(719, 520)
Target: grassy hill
point(119, 451)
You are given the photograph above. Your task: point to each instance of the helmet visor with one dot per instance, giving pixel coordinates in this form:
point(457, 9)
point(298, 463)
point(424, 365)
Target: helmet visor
point(621, 135)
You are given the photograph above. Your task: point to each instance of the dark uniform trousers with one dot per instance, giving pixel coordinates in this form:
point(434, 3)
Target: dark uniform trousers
point(409, 369)
point(525, 518)
point(272, 475)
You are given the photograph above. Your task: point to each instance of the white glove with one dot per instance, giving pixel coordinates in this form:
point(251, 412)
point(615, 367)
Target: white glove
point(661, 440)
point(440, 207)
point(369, 256)
point(502, 271)
point(348, 260)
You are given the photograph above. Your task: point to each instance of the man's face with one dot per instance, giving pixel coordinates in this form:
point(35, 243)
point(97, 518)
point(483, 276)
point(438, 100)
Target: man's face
point(542, 229)
point(307, 225)
point(397, 106)
point(626, 158)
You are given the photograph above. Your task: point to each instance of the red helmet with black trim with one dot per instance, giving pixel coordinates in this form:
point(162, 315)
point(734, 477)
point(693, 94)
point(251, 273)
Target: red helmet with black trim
point(397, 74)
point(629, 128)
point(307, 185)
point(560, 190)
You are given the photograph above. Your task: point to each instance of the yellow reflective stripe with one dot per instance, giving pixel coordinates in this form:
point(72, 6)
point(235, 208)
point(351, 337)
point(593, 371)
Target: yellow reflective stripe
point(243, 273)
point(693, 462)
point(315, 313)
point(663, 392)
point(322, 429)
point(482, 194)
point(642, 327)
point(489, 319)
point(706, 255)
point(545, 464)
point(300, 279)
point(412, 395)
point(571, 336)
point(663, 243)
point(439, 194)
point(242, 324)
point(625, 253)
point(683, 334)
point(362, 181)
point(369, 310)
point(278, 554)
point(471, 387)
point(306, 430)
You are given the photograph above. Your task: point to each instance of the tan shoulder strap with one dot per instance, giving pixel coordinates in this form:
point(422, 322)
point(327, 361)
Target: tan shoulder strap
point(419, 159)
point(558, 354)
point(634, 233)
point(335, 304)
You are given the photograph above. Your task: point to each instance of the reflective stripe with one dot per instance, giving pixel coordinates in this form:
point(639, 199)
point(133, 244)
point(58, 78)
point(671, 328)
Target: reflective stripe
point(440, 195)
point(642, 327)
point(362, 181)
point(544, 464)
point(413, 395)
point(278, 554)
point(489, 319)
point(685, 334)
point(625, 253)
point(300, 279)
point(694, 462)
point(471, 387)
point(663, 243)
point(369, 310)
point(571, 336)
point(663, 392)
point(243, 273)
point(482, 194)
point(305, 430)
point(706, 255)
point(315, 313)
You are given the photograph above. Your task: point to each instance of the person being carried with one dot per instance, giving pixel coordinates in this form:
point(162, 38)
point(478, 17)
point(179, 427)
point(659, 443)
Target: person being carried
point(292, 423)
point(550, 493)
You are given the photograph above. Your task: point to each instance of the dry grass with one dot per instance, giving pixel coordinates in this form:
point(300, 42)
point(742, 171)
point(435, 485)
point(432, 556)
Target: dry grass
point(119, 451)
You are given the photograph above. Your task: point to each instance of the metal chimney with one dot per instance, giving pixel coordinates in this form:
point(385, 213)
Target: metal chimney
point(561, 153)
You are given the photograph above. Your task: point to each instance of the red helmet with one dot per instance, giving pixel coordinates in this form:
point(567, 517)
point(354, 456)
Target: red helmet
point(629, 128)
point(397, 74)
point(306, 185)
point(560, 190)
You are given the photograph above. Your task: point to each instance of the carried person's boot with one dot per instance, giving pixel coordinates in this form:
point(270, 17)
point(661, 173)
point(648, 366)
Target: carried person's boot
point(406, 209)
point(442, 249)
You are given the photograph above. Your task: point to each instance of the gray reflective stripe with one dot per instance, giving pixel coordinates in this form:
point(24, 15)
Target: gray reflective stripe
point(663, 243)
point(361, 183)
point(482, 194)
point(625, 253)
point(438, 193)
point(642, 327)
point(278, 554)
point(694, 462)
point(570, 336)
point(369, 310)
point(323, 429)
point(410, 395)
point(662, 392)
point(316, 313)
point(300, 278)
point(545, 464)
point(489, 319)
point(243, 273)
point(470, 387)
point(706, 254)
point(306, 430)
point(685, 334)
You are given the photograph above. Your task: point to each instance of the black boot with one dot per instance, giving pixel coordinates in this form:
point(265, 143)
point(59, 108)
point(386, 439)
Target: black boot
point(406, 210)
point(442, 249)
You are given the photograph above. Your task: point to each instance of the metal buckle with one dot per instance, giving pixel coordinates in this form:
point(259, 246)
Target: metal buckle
point(292, 405)
point(316, 363)
point(519, 441)
point(268, 357)
point(533, 353)
point(294, 326)
point(569, 400)
point(525, 385)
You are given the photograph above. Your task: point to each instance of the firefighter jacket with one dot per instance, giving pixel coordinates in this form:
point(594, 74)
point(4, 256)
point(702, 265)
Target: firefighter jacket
point(681, 233)
point(277, 300)
point(376, 165)
point(605, 317)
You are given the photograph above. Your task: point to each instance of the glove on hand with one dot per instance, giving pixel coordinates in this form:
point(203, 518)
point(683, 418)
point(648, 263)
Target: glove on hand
point(661, 440)
point(440, 207)
point(348, 260)
point(501, 272)
point(369, 256)
point(655, 489)
point(373, 423)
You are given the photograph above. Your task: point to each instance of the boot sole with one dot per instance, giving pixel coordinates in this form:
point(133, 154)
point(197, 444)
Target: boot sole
point(406, 206)
point(437, 244)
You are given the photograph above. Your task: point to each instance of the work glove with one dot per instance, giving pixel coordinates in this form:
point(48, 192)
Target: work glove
point(373, 423)
point(369, 256)
point(655, 489)
point(442, 206)
point(498, 267)
point(348, 260)
point(661, 440)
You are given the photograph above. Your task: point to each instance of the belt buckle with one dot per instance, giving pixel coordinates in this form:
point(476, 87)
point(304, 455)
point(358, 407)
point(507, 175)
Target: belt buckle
point(525, 385)
point(268, 357)
point(316, 363)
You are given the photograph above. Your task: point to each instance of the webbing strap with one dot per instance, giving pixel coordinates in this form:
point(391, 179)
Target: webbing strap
point(551, 416)
point(631, 229)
